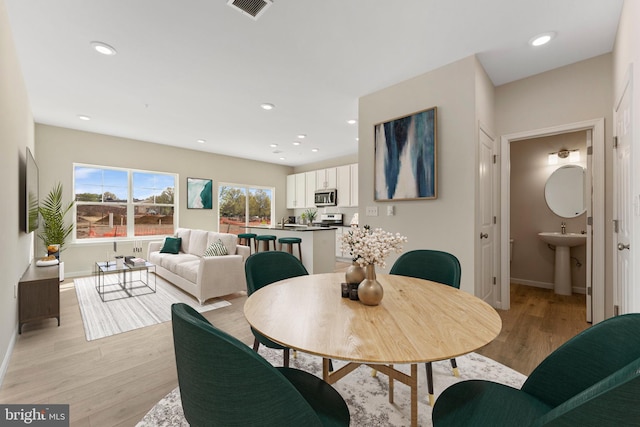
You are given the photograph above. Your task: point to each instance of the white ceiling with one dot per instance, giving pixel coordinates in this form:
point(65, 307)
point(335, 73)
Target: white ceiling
point(199, 69)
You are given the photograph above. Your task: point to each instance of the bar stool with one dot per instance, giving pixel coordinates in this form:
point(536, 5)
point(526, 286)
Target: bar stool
point(290, 241)
point(266, 239)
point(245, 240)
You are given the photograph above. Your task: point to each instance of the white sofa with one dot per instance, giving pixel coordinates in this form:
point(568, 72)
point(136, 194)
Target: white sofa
point(203, 277)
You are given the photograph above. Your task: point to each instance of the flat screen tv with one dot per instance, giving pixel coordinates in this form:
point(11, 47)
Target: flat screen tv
point(32, 196)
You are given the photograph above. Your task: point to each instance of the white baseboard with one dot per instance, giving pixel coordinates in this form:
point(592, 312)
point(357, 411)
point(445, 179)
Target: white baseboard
point(7, 356)
point(545, 285)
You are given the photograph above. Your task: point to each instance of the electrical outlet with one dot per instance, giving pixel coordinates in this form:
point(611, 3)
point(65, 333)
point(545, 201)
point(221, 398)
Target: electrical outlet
point(372, 211)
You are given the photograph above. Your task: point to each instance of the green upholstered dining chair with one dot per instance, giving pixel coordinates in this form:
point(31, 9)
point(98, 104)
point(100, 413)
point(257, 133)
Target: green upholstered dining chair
point(262, 269)
point(591, 380)
point(436, 266)
point(224, 383)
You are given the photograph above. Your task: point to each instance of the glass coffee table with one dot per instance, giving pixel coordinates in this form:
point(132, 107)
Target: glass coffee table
point(129, 281)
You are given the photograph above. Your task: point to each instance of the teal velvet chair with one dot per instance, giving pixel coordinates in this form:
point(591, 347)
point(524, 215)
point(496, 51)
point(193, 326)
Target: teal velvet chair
point(436, 266)
point(262, 269)
point(591, 380)
point(224, 383)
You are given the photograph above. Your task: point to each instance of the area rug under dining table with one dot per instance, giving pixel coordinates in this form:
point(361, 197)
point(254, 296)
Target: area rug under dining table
point(102, 319)
point(366, 396)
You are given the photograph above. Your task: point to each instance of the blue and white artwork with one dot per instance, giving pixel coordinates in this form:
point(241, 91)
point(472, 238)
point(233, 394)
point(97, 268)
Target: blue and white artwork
point(405, 157)
point(199, 195)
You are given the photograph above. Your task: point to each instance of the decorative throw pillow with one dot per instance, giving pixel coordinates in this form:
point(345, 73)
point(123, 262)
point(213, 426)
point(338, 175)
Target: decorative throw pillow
point(171, 245)
point(217, 248)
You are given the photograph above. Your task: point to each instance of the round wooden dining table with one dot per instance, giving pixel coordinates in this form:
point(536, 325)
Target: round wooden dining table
point(417, 321)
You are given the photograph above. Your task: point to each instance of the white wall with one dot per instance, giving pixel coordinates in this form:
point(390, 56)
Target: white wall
point(446, 223)
point(58, 148)
point(570, 94)
point(16, 134)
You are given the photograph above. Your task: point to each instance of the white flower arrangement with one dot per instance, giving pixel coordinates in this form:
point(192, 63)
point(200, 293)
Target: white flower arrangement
point(368, 246)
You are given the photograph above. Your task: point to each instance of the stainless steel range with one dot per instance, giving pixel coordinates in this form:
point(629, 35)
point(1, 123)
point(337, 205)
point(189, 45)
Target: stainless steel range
point(330, 219)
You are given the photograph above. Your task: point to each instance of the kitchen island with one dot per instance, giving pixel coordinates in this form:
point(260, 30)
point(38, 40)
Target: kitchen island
point(318, 245)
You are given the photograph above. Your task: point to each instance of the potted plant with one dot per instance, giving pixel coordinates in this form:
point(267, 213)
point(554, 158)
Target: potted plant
point(311, 215)
point(54, 230)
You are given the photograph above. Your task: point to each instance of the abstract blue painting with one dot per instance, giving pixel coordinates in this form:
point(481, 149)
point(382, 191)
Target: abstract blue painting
point(405, 157)
point(199, 195)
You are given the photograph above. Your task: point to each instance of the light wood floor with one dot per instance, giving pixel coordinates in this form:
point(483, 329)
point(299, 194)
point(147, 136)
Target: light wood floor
point(114, 381)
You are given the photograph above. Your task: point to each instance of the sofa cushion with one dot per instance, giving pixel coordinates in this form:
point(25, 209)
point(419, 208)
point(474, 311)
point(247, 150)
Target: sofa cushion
point(230, 241)
point(217, 248)
point(172, 262)
point(184, 234)
point(197, 242)
point(171, 245)
point(188, 270)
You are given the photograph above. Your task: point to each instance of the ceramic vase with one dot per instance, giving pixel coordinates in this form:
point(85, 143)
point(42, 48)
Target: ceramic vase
point(354, 274)
point(370, 291)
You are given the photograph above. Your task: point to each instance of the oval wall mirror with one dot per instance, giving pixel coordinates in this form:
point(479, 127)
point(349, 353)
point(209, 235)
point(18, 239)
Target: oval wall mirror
point(565, 190)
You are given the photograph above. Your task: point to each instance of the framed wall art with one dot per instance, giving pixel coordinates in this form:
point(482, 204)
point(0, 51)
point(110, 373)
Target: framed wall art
point(405, 157)
point(199, 193)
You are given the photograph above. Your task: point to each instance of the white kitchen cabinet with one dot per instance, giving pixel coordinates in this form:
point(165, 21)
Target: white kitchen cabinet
point(291, 191)
point(326, 178)
point(310, 184)
point(344, 185)
point(339, 241)
point(301, 190)
point(296, 191)
point(354, 185)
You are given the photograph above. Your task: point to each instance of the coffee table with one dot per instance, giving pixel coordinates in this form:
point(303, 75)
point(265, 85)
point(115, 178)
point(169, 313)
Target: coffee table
point(132, 281)
point(417, 321)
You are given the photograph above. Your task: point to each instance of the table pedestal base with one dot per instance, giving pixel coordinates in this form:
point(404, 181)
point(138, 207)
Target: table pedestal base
point(393, 374)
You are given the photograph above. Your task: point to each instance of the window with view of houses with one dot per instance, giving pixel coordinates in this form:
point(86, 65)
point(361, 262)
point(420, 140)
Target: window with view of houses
point(242, 206)
point(115, 202)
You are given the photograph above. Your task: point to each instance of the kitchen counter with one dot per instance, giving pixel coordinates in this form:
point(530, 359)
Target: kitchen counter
point(295, 227)
point(318, 245)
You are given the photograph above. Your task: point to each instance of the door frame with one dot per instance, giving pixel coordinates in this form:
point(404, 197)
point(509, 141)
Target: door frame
point(598, 202)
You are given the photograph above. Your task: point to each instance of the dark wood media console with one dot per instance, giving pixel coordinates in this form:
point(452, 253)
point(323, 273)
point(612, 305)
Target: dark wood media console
point(38, 294)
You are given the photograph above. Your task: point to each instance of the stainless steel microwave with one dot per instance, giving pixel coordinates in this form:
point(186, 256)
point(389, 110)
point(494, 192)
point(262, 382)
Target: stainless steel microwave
point(326, 197)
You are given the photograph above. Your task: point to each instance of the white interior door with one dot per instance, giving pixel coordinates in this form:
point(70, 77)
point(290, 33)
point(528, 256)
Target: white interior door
point(622, 202)
point(588, 188)
point(486, 283)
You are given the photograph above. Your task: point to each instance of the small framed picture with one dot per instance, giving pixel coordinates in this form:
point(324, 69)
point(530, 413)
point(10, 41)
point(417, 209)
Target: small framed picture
point(199, 193)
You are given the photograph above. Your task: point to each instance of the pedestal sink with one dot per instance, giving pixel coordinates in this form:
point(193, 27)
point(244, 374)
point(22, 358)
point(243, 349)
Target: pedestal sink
point(563, 243)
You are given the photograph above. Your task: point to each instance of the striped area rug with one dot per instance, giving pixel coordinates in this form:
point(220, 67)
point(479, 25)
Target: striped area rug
point(103, 319)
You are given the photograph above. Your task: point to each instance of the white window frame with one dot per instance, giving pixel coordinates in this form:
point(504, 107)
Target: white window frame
point(130, 204)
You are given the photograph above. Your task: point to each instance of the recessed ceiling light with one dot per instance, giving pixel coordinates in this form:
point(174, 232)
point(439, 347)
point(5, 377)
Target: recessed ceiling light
point(103, 48)
point(202, 141)
point(542, 39)
point(357, 139)
point(302, 136)
point(83, 117)
point(273, 145)
point(315, 150)
point(296, 142)
point(352, 122)
point(282, 158)
point(267, 106)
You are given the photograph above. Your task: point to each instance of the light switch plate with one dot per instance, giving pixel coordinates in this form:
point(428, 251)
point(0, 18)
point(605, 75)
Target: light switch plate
point(372, 211)
point(390, 210)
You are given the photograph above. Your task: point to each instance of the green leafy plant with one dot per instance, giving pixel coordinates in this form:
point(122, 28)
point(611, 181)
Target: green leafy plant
point(54, 230)
point(311, 214)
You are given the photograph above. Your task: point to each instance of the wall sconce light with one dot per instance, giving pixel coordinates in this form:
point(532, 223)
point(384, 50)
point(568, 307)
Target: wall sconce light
point(571, 156)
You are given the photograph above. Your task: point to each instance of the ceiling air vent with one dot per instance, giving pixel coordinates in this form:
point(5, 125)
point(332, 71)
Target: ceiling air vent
point(253, 8)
